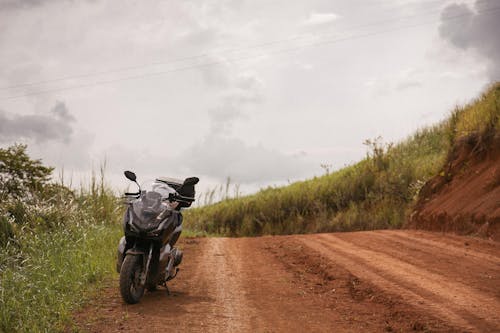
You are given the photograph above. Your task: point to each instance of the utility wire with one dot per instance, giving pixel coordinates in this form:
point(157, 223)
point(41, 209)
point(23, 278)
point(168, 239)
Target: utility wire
point(204, 55)
point(214, 63)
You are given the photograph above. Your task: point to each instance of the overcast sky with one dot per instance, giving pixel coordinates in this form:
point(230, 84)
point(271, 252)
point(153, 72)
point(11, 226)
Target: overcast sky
point(263, 92)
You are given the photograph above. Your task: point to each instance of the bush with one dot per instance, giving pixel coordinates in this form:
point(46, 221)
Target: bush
point(55, 244)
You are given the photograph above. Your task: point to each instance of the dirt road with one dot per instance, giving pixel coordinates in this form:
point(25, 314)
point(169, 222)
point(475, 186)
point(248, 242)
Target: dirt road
point(382, 281)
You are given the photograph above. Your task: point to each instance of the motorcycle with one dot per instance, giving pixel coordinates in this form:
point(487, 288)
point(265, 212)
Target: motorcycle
point(152, 225)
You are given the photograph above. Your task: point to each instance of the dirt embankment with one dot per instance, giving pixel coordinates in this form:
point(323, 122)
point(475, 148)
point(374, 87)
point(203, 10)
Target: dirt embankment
point(382, 281)
point(465, 197)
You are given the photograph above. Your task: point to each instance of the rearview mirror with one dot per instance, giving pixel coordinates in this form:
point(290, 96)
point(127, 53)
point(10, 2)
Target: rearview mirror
point(191, 181)
point(130, 175)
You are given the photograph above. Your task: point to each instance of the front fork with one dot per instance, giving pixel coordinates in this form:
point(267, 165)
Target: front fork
point(147, 261)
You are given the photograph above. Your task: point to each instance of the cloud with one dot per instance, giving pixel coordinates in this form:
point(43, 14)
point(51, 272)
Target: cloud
point(475, 30)
point(55, 126)
point(74, 155)
point(119, 158)
point(223, 157)
point(320, 19)
point(220, 154)
point(245, 90)
point(61, 112)
point(407, 79)
point(408, 84)
point(15, 4)
point(215, 156)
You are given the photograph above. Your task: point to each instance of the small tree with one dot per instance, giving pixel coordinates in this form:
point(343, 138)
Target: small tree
point(20, 175)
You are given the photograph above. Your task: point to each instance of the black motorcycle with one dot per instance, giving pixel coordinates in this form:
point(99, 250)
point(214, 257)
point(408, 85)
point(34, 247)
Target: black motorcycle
point(152, 225)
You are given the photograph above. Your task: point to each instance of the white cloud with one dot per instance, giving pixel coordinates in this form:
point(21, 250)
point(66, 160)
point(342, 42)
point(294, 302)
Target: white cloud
point(243, 118)
point(395, 82)
point(223, 157)
point(320, 19)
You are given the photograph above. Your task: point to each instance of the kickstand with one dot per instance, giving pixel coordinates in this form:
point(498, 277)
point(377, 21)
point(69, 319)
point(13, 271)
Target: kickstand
point(168, 290)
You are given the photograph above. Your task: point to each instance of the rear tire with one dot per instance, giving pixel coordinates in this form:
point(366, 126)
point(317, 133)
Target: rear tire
point(130, 273)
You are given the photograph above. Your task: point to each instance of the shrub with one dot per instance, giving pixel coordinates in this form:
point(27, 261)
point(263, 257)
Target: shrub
point(55, 244)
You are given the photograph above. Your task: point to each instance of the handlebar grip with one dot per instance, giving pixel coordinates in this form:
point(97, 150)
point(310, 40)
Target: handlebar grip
point(178, 197)
point(132, 193)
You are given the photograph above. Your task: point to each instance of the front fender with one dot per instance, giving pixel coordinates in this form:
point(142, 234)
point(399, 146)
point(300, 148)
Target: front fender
point(135, 252)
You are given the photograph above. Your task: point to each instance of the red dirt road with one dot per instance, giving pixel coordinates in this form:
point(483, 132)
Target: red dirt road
point(382, 281)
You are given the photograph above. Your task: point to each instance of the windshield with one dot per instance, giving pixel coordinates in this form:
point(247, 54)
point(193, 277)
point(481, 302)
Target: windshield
point(155, 186)
point(152, 201)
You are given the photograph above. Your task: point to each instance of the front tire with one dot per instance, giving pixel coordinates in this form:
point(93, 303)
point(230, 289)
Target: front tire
point(130, 286)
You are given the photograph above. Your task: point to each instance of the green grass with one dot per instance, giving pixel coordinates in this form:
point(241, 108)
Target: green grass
point(375, 193)
point(479, 117)
point(50, 277)
point(57, 245)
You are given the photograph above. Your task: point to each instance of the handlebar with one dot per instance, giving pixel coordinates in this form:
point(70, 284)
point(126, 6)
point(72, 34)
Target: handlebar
point(172, 196)
point(178, 197)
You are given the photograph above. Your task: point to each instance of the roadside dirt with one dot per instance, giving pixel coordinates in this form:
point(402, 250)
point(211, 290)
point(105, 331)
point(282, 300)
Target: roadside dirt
point(382, 281)
point(465, 197)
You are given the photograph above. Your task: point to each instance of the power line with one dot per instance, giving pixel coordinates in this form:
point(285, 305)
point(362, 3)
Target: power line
point(204, 55)
point(214, 63)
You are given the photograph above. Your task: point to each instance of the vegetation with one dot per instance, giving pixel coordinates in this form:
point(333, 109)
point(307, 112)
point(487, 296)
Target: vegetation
point(375, 193)
point(55, 243)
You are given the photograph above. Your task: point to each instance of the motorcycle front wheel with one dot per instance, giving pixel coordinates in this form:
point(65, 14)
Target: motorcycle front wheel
point(130, 279)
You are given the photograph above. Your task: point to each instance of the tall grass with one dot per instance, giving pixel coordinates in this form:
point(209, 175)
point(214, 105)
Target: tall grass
point(375, 193)
point(47, 279)
point(370, 194)
point(60, 244)
point(218, 193)
point(482, 116)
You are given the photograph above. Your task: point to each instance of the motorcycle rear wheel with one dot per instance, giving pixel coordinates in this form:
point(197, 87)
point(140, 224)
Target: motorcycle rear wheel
point(130, 286)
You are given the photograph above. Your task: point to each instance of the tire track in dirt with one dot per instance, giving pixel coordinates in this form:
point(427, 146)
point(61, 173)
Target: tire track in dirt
point(448, 244)
point(218, 269)
point(471, 268)
point(343, 282)
point(436, 293)
point(205, 297)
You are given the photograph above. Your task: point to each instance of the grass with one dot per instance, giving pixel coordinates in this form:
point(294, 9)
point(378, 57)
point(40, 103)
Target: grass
point(380, 184)
point(57, 246)
point(42, 284)
point(375, 193)
point(480, 116)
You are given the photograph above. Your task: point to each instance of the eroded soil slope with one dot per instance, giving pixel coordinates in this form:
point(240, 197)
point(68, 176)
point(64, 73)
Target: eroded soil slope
point(465, 198)
point(346, 282)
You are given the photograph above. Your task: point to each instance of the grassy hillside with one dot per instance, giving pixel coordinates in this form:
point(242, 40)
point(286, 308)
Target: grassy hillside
point(55, 244)
point(375, 193)
point(464, 197)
